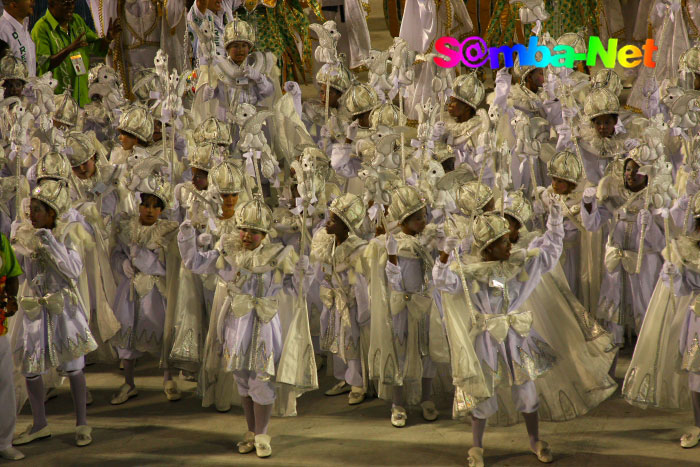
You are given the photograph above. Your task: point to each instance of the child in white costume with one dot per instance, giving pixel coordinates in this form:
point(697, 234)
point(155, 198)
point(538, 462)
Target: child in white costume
point(505, 335)
point(143, 254)
point(194, 302)
point(671, 335)
point(55, 331)
point(248, 330)
point(345, 295)
point(620, 198)
point(243, 75)
point(409, 304)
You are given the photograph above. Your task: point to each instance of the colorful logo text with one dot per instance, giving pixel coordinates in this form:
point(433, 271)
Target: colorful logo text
point(474, 53)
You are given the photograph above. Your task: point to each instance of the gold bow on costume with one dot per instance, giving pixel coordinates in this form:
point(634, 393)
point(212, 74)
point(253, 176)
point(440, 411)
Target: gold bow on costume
point(144, 283)
point(417, 304)
point(614, 256)
point(498, 325)
point(32, 306)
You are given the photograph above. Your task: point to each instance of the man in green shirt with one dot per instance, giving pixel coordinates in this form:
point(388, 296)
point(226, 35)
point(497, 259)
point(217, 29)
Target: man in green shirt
point(64, 44)
point(10, 270)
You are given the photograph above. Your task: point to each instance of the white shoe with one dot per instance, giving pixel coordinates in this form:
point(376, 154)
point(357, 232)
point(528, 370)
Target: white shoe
point(476, 457)
point(11, 454)
point(171, 391)
point(83, 435)
point(262, 445)
point(341, 388)
point(27, 436)
point(398, 416)
point(125, 393)
point(691, 438)
point(356, 395)
point(430, 413)
point(247, 444)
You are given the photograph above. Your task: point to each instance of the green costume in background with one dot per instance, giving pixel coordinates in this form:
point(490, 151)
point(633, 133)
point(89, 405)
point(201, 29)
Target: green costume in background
point(565, 16)
point(277, 24)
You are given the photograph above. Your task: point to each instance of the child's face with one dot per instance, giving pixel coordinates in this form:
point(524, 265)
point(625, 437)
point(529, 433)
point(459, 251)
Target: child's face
point(13, 87)
point(335, 226)
point(251, 239)
point(333, 96)
point(562, 187)
point(459, 110)
point(514, 226)
point(633, 179)
point(363, 120)
point(230, 200)
point(85, 170)
point(498, 250)
point(157, 131)
point(415, 223)
point(238, 51)
point(149, 210)
point(535, 79)
point(127, 141)
point(200, 179)
point(41, 215)
point(605, 125)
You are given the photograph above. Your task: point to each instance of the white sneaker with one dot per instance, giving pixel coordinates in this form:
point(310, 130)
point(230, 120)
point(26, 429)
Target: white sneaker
point(398, 416)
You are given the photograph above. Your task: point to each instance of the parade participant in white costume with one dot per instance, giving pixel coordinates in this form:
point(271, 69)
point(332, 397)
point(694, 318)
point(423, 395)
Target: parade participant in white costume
point(409, 304)
point(326, 133)
point(621, 198)
point(511, 349)
point(52, 304)
point(424, 22)
point(14, 30)
point(135, 133)
point(344, 292)
point(244, 75)
point(670, 336)
point(248, 325)
point(193, 314)
point(358, 101)
point(145, 252)
point(466, 134)
point(350, 19)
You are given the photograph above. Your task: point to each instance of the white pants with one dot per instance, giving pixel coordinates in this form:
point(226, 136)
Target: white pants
point(8, 417)
point(694, 382)
point(524, 397)
point(350, 372)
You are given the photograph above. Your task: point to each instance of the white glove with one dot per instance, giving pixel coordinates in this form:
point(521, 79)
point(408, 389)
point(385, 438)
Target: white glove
point(207, 93)
point(303, 263)
point(439, 130)
point(252, 73)
point(44, 235)
point(392, 246)
point(450, 244)
point(204, 239)
point(351, 132)
point(292, 87)
point(589, 194)
point(555, 214)
point(644, 217)
point(128, 269)
point(186, 229)
point(670, 270)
